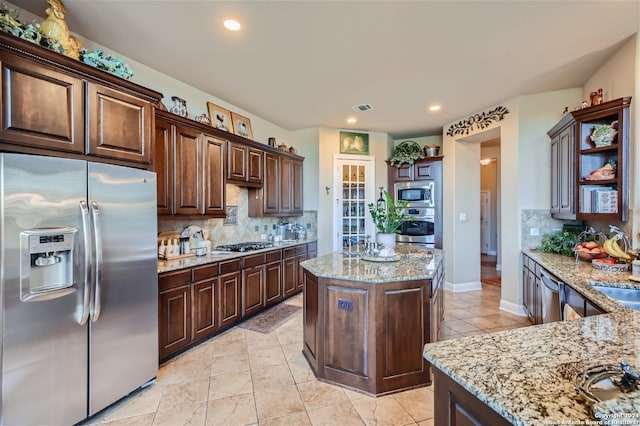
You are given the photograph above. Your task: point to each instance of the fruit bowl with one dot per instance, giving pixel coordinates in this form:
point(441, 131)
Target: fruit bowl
point(587, 255)
point(590, 250)
point(608, 266)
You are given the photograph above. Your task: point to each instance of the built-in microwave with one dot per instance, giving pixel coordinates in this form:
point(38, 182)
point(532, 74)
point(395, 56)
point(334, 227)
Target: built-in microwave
point(417, 193)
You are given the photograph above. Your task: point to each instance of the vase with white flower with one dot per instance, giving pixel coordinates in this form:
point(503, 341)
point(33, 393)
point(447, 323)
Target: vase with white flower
point(388, 216)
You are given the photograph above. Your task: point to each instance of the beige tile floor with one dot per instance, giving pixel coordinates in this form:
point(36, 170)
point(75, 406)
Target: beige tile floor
point(241, 377)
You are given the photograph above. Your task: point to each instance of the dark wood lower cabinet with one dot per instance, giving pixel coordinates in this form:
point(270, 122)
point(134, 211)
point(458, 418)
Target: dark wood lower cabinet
point(253, 290)
point(196, 303)
point(455, 406)
point(230, 285)
point(175, 319)
point(273, 279)
point(204, 315)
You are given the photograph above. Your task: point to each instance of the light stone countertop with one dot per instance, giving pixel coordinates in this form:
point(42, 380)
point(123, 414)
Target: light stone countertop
point(218, 256)
point(415, 263)
point(527, 374)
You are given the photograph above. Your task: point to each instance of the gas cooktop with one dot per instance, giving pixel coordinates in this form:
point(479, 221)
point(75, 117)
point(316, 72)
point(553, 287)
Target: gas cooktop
point(244, 246)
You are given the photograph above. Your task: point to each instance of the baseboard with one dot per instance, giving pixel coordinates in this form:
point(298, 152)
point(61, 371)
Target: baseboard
point(460, 287)
point(512, 308)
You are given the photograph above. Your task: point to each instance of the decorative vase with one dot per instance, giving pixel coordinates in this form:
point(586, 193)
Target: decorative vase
point(179, 106)
point(388, 242)
point(431, 151)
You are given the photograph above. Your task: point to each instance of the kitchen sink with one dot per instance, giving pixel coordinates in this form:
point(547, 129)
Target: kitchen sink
point(629, 297)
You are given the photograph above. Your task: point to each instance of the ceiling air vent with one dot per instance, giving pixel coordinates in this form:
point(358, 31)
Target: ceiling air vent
point(362, 107)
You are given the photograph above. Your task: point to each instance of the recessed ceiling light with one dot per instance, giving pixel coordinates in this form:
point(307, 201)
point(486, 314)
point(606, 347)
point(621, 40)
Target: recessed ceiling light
point(232, 25)
point(352, 120)
point(434, 108)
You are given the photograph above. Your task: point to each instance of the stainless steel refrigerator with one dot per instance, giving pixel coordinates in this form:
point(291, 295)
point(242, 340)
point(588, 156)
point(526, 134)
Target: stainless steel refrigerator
point(78, 287)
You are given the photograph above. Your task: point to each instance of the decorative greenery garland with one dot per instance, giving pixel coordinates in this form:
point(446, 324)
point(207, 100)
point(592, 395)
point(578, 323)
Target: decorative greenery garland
point(10, 23)
point(406, 153)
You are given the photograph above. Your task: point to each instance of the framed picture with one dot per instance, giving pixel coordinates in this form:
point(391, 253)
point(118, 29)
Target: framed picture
point(220, 117)
point(241, 125)
point(354, 143)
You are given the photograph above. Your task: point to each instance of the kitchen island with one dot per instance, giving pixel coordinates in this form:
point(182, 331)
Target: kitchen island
point(526, 376)
point(366, 321)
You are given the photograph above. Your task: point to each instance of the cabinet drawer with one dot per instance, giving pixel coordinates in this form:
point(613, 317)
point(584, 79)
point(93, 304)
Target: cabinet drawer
point(205, 272)
point(254, 260)
point(289, 252)
point(230, 266)
point(274, 255)
point(174, 279)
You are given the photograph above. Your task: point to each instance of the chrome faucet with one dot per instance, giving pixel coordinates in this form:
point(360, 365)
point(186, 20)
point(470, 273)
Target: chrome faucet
point(630, 378)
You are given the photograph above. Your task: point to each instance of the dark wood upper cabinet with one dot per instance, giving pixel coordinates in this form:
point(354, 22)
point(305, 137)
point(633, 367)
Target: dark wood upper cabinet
point(574, 156)
point(214, 163)
point(244, 164)
point(188, 171)
point(41, 106)
point(281, 193)
point(163, 165)
point(54, 105)
point(119, 125)
point(190, 165)
point(563, 176)
point(285, 185)
point(296, 189)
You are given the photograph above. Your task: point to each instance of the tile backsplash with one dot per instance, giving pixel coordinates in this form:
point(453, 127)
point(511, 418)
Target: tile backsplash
point(243, 228)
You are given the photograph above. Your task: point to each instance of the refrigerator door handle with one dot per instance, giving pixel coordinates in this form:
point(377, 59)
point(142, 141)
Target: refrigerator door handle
point(97, 234)
point(86, 295)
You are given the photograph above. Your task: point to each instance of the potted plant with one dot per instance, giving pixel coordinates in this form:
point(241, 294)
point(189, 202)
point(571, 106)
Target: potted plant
point(388, 216)
point(405, 153)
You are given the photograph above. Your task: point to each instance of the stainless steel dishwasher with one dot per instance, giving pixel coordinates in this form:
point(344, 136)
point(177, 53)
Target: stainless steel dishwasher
point(550, 297)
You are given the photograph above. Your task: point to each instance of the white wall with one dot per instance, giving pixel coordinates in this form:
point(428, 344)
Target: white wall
point(306, 141)
point(329, 144)
point(422, 140)
point(524, 181)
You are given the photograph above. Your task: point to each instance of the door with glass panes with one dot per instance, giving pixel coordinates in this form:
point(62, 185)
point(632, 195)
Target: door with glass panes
point(355, 189)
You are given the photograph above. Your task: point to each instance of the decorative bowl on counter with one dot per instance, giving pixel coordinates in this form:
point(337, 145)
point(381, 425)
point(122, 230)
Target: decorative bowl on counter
point(609, 265)
point(590, 250)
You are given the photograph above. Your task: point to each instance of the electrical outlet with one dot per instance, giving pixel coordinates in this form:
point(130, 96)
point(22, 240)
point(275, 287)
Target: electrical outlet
point(263, 236)
point(265, 228)
point(308, 226)
point(463, 217)
point(534, 232)
point(257, 228)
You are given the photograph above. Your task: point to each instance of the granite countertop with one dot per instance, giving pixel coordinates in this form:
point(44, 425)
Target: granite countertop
point(527, 374)
point(413, 263)
point(218, 256)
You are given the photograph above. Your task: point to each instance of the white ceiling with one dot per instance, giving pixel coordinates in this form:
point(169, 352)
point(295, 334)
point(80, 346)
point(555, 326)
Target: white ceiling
point(302, 64)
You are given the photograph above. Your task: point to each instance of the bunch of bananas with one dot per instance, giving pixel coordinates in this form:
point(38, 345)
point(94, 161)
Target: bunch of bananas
point(612, 247)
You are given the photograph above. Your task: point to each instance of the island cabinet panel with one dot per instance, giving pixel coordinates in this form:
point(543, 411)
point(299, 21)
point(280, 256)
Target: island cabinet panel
point(367, 336)
point(345, 320)
point(40, 106)
point(455, 406)
point(403, 320)
point(311, 325)
point(119, 125)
